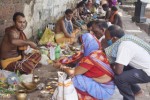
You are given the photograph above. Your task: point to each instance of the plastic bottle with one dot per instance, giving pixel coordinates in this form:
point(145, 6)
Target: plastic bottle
point(57, 52)
point(52, 53)
point(40, 33)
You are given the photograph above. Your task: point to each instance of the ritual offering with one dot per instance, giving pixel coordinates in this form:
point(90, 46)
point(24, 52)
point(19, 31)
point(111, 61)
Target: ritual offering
point(74, 48)
point(52, 53)
point(36, 79)
point(57, 52)
point(44, 50)
point(72, 59)
point(30, 85)
point(29, 82)
point(45, 93)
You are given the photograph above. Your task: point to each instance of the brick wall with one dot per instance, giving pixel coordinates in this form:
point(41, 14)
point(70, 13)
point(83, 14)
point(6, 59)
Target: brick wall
point(38, 13)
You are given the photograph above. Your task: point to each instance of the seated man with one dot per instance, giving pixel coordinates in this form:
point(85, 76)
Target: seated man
point(13, 45)
point(77, 20)
point(107, 10)
point(128, 51)
point(115, 18)
point(64, 28)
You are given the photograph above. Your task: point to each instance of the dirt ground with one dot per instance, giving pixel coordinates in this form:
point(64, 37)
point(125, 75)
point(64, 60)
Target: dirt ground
point(47, 75)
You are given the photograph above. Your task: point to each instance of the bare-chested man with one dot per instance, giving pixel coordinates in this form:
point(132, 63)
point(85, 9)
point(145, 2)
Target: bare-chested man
point(64, 28)
point(13, 45)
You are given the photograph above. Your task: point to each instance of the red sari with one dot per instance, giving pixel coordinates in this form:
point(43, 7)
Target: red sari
point(95, 69)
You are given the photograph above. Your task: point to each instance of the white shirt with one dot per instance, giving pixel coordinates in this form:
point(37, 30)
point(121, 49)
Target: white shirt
point(134, 55)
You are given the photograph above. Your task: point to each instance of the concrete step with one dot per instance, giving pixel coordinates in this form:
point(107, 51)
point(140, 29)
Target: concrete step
point(131, 8)
point(128, 2)
point(145, 26)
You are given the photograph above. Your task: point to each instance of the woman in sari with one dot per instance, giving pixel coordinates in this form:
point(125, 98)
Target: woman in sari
point(93, 76)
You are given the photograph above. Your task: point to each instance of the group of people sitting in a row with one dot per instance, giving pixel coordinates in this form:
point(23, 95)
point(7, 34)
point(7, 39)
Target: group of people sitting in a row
point(110, 57)
point(77, 18)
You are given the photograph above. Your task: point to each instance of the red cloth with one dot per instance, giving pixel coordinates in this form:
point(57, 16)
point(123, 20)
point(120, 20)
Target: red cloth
point(72, 59)
point(96, 69)
point(84, 95)
point(93, 71)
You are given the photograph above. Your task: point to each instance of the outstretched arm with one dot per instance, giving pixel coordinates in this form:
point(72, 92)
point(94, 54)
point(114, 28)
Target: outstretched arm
point(72, 72)
point(14, 39)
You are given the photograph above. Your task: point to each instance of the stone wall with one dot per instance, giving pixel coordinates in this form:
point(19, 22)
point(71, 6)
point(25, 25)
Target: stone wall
point(38, 13)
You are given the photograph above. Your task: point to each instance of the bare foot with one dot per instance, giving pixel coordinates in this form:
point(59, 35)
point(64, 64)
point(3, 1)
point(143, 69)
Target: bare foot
point(139, 93)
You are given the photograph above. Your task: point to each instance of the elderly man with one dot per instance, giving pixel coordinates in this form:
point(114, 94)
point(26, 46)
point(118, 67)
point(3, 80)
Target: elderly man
point(129, 53)
point(64, 28)
point(13, 46)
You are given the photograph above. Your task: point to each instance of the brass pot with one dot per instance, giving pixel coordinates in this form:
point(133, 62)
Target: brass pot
point(36, 79)
point(21, 95)
point(29, 85)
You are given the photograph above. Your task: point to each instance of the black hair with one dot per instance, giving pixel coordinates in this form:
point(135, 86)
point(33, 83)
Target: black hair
point(114, 8)
point(101, 24)
point(68, 11)
point(84, 0)
point(79, 39)
point(16, 15)
point(104, 24)
point(89, 24)
point(105, 6)
point(80, 4)
point(116, 31)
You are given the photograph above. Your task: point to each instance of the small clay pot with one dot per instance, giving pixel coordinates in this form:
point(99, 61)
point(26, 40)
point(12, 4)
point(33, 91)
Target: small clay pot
point(21, 95)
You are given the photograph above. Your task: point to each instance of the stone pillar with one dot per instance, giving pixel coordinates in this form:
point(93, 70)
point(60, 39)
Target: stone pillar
point(139, 14)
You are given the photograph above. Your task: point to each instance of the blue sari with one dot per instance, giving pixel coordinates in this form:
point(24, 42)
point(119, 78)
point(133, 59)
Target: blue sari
point(90, 43)
point(97, 91)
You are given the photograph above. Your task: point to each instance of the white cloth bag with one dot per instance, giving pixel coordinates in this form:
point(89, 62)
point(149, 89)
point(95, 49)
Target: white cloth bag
point(65, 89)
